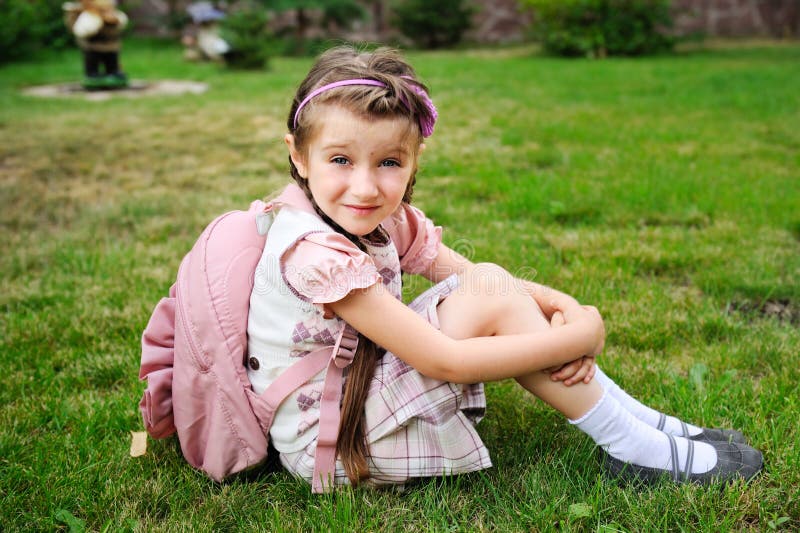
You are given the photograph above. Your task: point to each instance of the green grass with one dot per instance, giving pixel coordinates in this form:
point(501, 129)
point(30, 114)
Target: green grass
point(666, 191)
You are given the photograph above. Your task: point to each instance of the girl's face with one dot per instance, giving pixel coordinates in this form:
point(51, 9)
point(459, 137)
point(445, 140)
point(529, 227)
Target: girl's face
point(357, 169)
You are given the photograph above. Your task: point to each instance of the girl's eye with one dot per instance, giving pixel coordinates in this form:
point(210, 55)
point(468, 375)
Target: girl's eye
point(390, 163)
point(339, 160)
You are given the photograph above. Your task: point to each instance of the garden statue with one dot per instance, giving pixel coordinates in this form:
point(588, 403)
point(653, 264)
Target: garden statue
point(97, 26)
point(204, 41)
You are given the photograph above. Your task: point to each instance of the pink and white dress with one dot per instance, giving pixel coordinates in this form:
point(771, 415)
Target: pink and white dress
point(415, 426)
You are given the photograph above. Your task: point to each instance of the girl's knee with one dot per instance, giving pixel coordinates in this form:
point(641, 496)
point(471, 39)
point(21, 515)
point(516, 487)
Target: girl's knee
point(489, 279)
point(504, 301)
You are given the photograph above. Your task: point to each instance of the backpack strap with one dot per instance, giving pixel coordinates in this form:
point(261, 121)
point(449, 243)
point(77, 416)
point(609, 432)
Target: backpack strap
point(286, 383)
point(336, 359)
point(158, 357)
point(330, 411)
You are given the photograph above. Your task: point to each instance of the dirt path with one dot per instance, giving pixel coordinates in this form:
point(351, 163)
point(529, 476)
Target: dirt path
point(136, 89)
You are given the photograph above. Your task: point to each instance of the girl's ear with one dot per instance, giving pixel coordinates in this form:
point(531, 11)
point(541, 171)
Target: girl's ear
point(297, 157)
point(421, 148)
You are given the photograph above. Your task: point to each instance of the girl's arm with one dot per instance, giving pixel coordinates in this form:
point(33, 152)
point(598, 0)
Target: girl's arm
point(447, 262)
point(390, 324)
point(550, 301)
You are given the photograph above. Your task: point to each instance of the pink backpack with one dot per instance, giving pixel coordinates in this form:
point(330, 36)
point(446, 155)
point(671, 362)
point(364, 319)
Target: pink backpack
point(193, 358)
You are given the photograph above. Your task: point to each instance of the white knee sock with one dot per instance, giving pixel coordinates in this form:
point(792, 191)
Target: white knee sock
point(628, 439)
point(648, 415)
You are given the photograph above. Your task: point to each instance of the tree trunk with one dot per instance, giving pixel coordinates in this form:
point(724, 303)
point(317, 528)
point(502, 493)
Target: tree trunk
point(377, 17)
point(302, 24)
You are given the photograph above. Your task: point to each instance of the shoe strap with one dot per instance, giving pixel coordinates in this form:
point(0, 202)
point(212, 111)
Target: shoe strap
point(673, 450)
point(687, 470)
point(662, 420)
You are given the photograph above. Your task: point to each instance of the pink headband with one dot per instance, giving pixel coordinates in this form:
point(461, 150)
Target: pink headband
point(425, 122)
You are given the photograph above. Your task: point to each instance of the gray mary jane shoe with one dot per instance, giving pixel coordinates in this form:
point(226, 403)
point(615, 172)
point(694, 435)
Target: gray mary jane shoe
point(734, 461)
point(708, 435)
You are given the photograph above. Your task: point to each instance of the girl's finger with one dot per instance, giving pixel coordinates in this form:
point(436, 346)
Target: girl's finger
point(590, 376)
point(557, 319)
point(586, 365)
point(563, 373)
point(567, 371)
point(552, 369)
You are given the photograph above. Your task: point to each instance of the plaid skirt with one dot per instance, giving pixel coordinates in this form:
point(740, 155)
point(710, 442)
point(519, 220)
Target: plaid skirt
point(416, 426)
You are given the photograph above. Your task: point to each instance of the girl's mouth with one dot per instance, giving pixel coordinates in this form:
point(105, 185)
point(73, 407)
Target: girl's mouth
point(362, 210)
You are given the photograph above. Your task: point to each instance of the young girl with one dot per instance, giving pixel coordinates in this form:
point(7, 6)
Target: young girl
point(342, 235)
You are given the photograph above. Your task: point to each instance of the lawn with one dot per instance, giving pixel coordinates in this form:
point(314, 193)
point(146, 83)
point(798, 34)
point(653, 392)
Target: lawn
point(665, 191)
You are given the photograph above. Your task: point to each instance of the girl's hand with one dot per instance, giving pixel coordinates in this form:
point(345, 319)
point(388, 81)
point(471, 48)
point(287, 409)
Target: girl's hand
point(557, 319)
point(589, 317)
point(599, 330)
point(582, 369)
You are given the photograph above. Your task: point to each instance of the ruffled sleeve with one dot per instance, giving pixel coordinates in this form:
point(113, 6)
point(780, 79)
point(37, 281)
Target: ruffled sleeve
point(324, 267)
point(415, 237)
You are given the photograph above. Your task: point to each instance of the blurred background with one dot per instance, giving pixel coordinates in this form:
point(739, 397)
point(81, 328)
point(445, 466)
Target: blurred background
point(258, 29)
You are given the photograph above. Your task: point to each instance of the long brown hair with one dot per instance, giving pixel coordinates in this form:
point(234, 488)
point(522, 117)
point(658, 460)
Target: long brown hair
point(397, 99)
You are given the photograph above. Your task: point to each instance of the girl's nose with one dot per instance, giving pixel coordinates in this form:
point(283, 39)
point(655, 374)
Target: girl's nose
point(363, 183)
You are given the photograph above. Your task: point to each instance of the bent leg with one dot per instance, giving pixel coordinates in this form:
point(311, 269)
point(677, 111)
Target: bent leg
point(488, 302)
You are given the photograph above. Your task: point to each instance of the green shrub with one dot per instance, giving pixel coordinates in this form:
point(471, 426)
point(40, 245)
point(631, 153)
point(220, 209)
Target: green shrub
point(433, 24)
point(31, 25)
point(295, 39)
point(342, 12)
point(252, 44)
point(603, 27)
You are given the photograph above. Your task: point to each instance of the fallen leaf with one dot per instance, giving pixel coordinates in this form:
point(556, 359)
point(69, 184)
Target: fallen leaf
point(580, 510)
point(613, 527)
point(75, 525)
point(138, 443)
point(697, 374)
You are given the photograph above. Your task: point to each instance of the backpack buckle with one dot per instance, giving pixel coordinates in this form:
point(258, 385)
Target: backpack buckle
point(345, 348)
point(264, 221)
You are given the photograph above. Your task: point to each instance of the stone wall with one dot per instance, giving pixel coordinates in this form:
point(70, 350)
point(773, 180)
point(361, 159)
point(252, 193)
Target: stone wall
point(738, 18)
point(499, 21)
point(149, 17)
point(712, 18)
